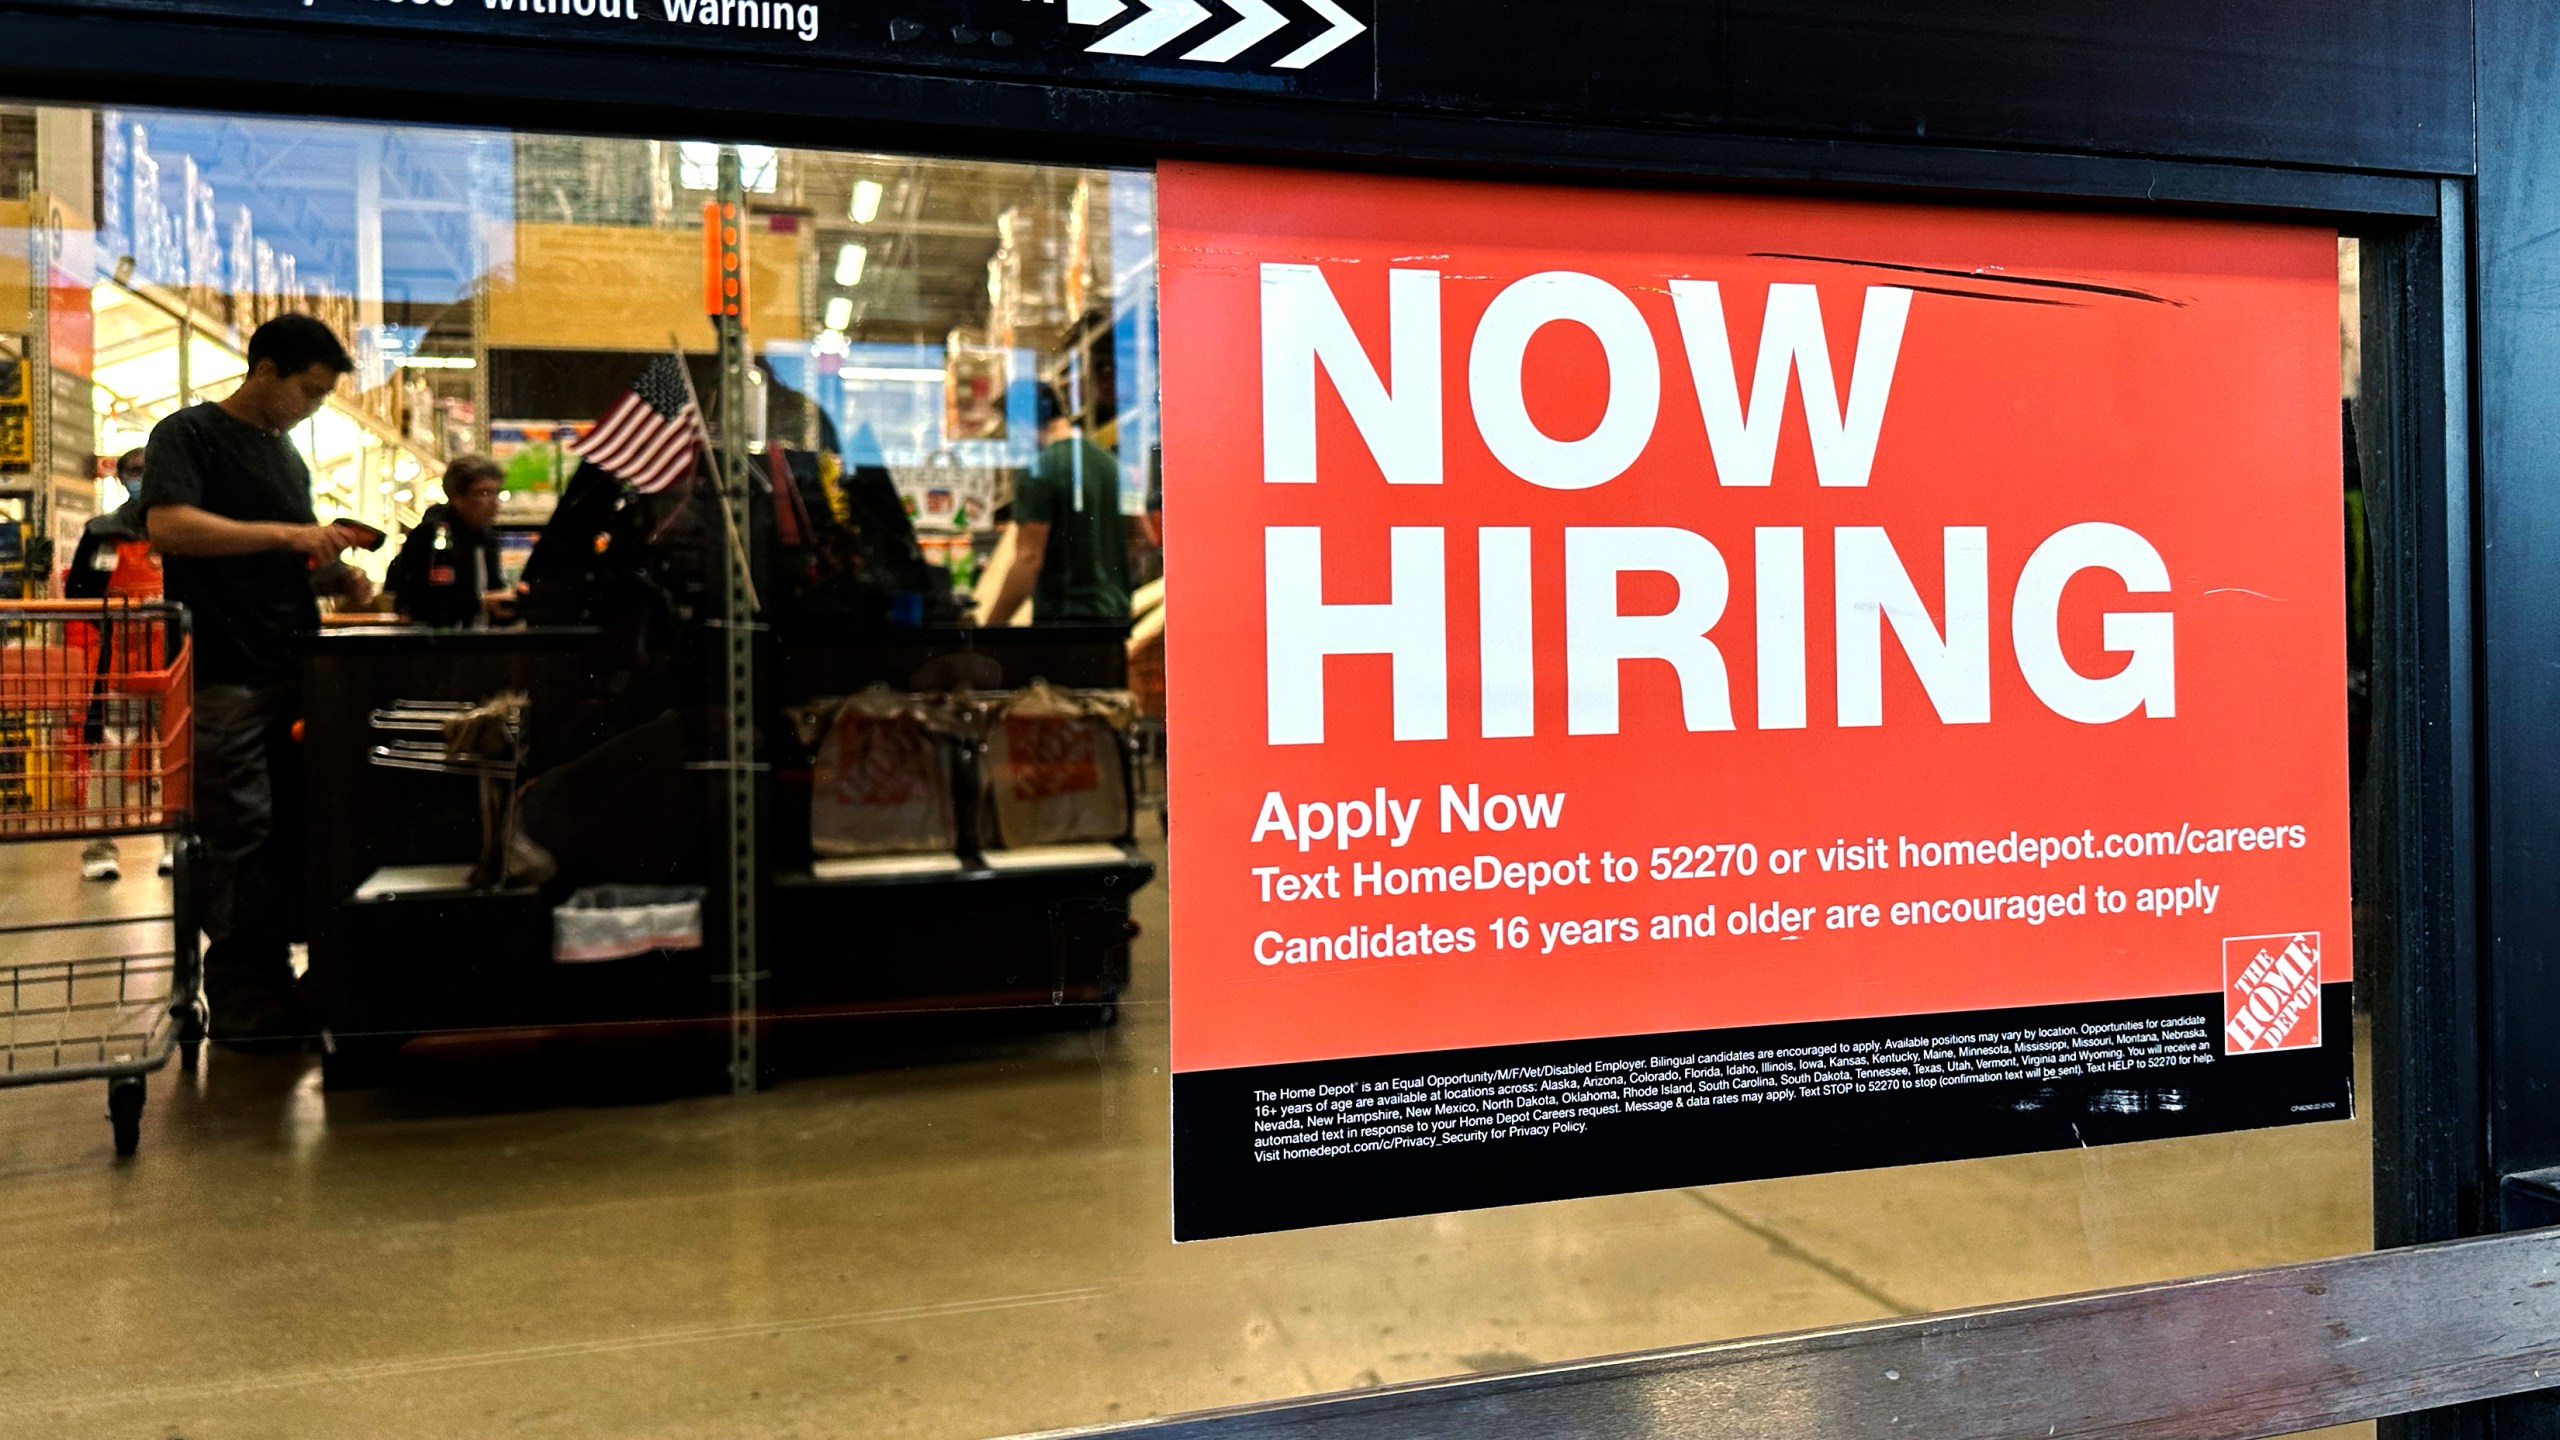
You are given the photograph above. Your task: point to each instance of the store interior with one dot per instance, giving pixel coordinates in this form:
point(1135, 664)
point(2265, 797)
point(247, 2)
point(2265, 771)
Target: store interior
point(503, 1193)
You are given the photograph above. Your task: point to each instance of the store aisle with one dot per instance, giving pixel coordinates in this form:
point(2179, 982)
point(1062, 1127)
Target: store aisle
point(957, 1238)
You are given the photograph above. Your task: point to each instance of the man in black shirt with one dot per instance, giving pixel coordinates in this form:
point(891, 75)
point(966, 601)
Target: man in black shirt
point(228, 502)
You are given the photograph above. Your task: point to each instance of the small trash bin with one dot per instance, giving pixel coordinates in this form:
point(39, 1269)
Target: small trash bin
point(629, 990)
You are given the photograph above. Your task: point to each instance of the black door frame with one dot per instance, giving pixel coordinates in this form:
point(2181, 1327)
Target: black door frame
point(2516, 386)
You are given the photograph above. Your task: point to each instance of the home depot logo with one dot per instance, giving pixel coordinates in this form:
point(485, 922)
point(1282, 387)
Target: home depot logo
point(2270, 993)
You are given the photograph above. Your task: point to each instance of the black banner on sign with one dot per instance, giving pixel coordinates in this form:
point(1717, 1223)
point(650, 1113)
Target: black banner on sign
point(1316, 48)
point(1281, 1147)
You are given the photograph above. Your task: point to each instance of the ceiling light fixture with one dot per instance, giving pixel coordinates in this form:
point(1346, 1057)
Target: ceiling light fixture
point(839, 312)
point(865, 206)
point(849, 263)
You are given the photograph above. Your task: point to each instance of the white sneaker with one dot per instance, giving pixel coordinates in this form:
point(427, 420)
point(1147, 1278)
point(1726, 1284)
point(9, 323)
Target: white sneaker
point(168, 862)
point(101, 862)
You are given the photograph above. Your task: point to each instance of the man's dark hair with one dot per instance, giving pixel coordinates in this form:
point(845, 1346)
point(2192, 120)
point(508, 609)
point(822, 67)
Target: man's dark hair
point(130, 457)
point(296, 342)
point(469, 470)
point(1048, 404)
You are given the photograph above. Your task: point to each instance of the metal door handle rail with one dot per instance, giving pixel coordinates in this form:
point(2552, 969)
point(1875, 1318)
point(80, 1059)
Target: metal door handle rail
point(2228, 1357)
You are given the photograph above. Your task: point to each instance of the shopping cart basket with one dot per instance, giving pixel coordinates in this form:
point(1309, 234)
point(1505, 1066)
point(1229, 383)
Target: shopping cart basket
point(95, 710)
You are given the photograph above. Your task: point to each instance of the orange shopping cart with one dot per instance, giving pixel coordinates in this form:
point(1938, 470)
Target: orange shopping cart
point(95, 713)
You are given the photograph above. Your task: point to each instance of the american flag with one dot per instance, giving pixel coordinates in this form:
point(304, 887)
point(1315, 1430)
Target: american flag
point(652, 434)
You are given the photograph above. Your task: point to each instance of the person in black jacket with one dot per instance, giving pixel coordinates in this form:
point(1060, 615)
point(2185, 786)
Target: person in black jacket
point(108, 544)
point(447, 573)
point(93, 561)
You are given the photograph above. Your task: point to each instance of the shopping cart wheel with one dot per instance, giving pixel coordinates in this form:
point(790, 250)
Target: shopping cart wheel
point(124, 1111)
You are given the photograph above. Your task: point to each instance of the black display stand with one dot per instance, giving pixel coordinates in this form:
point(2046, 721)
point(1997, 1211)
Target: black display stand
point(407, 958)
point(988, 934)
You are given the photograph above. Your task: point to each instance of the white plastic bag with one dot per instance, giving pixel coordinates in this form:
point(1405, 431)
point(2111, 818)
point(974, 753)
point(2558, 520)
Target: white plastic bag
point(616, 922)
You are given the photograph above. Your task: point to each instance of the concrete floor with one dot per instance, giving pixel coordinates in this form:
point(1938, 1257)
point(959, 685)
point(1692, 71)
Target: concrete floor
point(962, 1239)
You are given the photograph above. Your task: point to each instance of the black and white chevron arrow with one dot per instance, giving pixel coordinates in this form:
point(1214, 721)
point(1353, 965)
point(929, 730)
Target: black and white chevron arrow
point(1240, 26)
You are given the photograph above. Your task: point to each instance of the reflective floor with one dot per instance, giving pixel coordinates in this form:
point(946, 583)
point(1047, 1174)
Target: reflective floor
point(958, 1236)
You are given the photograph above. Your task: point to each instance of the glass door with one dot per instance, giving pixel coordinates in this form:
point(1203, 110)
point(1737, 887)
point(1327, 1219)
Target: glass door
point(768, 1019)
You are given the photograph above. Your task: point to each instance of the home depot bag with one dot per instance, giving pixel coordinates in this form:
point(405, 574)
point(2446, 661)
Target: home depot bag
point(1056, 767)
point(881, 783)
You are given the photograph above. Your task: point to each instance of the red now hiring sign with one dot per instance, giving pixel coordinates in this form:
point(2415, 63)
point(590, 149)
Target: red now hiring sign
point(1672, 687)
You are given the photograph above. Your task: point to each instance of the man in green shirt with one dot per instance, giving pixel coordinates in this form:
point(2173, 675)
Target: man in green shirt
point(1070, 546)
